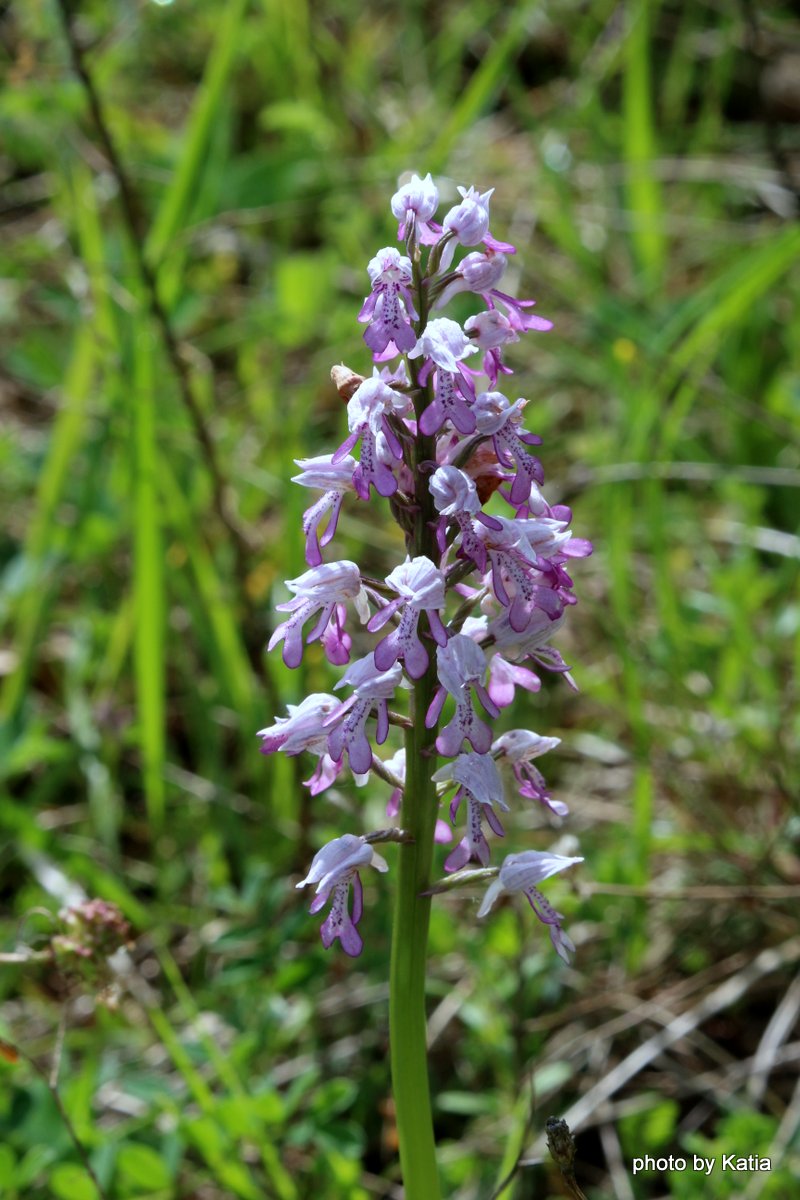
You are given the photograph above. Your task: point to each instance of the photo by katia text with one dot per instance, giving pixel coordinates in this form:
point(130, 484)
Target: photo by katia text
point(704, 1166)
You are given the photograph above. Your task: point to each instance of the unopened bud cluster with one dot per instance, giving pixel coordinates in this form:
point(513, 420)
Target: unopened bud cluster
point(430, 432)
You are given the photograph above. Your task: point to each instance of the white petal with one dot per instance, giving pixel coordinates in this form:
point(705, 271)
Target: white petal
point(492, 892)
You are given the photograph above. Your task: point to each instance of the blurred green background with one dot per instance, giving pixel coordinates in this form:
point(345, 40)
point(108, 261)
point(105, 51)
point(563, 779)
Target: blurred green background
point(646, 159)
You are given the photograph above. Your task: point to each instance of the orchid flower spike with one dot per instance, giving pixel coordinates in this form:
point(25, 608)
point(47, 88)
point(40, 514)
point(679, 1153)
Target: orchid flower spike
point(465, 612)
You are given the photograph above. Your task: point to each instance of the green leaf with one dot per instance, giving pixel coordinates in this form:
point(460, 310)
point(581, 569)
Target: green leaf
point(70, 1182)
point(148, 580)
point(466, 1103)
point(140, 1166)
point(652, 1128)
point(8, 1160)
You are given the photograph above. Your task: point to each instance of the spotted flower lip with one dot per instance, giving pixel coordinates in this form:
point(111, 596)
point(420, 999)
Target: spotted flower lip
point(481, 785)
point(389, 309)
point(372, 689)
point(500, 419)
point(444, 346)
point(461, 665)
point(421, 588)
point(368, 413)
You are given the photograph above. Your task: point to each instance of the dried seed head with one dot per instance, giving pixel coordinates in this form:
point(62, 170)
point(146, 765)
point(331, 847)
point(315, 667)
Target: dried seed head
point(345, 380)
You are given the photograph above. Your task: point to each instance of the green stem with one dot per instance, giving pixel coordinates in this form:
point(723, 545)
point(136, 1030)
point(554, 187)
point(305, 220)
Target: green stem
point(407, 1017)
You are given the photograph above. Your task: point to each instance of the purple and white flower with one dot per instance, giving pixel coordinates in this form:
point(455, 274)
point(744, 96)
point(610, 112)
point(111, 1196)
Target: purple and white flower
point(303, 729)
point(468, 224)
point(444, 346)
point(469, 220)
point(481, 785)
point(368, 413)
point(499, 419)
point(521, 873)
point(318, 590)
point(491, 331)
point(420, 588)
point(461, 665)
point(413, 205)
point(389, 308)
point(335, 479)
point(372, 689)
point(334, 869)
point(518, 748)
point(517, 581)
point(480, 272)
point(456, 498)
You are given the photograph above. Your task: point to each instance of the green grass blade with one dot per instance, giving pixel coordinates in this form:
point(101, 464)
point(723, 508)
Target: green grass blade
point(692, 338)
point(43, 535)
point(176, 205)
point(699, 348)
point(482, 87)
point(737, 291)
point(639, 144)
point(148, 580)
point(231, 663)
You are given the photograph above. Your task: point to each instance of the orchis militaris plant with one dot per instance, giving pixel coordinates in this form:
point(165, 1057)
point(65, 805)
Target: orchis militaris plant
point(461, 623)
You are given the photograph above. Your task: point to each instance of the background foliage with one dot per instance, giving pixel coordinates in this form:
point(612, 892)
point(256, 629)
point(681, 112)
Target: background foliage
point(646, 161)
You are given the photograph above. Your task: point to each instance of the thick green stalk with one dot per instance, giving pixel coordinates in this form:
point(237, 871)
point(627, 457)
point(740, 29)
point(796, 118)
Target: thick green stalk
point(407, 1019)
